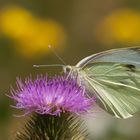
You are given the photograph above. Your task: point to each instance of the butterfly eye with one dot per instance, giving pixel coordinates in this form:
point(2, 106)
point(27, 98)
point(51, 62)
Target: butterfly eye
point(67, 69)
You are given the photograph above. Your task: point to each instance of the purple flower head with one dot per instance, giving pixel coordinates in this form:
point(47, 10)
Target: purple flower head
point(50, 96)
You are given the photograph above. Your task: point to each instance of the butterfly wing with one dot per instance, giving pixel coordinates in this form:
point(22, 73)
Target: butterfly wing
point(124, 55)
point(114, 76)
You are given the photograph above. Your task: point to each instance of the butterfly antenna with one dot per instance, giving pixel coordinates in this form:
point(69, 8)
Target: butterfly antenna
point(52, 65)
point(50, 47)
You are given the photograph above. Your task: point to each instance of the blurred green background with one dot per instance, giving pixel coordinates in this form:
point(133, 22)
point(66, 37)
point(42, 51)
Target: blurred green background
point(75, 29)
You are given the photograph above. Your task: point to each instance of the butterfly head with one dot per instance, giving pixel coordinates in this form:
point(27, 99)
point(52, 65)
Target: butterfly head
point(67, 68)
point(72, 71)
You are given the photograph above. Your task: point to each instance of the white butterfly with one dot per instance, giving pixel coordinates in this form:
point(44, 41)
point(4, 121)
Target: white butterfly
point(114, 77)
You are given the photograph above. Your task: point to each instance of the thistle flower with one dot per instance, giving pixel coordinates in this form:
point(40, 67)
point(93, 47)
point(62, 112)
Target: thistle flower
point(52, 96)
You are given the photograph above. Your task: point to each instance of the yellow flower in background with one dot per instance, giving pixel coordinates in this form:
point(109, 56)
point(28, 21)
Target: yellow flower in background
point(122, 26)
point(43, 33)
point(15, 22)
point(32, 34)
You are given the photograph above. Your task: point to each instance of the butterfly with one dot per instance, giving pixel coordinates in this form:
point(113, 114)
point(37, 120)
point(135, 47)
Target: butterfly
point(112, 76)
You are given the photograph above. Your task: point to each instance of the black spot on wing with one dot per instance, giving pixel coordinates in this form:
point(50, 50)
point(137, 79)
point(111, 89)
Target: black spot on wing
point(137, 50)
point(131, 67)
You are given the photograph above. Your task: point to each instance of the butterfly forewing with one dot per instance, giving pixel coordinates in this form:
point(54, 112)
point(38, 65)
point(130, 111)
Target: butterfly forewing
point(124, 55)
point(114, 76)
